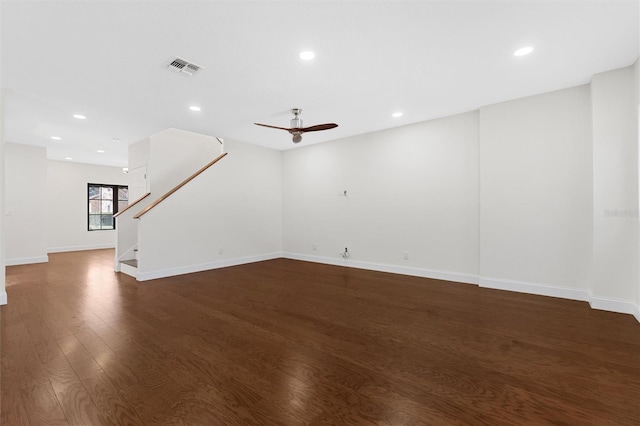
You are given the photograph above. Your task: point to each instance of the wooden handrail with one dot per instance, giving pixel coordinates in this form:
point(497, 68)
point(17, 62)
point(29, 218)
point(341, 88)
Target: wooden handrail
point(180, 185)
point(132, 204)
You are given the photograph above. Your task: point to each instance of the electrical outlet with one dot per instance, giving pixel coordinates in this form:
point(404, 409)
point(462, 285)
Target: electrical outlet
point(314, 247)
point(405, 255)
point(220, 250)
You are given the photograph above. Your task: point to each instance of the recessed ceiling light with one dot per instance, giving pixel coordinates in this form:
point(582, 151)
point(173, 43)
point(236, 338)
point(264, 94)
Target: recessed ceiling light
point(100, 151)
point(79, 116)
point(115, 140)
point(56, 138)
point(68, 158)
point(396, 114)
point(195, 108)
point(523, 51)
point(307, 55)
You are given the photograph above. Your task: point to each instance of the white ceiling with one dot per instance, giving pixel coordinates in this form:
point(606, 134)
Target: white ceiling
point(106, 60)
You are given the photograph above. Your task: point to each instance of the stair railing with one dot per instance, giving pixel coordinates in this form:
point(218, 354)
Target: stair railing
point(132, 204)
point(180, 185)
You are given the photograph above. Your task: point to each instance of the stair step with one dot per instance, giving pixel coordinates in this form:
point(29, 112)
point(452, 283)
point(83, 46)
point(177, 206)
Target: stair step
point(129, 267)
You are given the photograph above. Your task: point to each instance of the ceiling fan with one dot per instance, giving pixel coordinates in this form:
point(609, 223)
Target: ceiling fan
point(296, 128)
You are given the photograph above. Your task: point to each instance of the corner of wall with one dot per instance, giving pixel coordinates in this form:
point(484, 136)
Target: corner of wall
point(636, 74)
point(616, 231)
point(539, 289)
point(3, 294)
point(620, 306)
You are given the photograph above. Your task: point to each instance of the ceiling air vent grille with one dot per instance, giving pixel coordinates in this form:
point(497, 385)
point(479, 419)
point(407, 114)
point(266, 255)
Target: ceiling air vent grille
point(183, 66)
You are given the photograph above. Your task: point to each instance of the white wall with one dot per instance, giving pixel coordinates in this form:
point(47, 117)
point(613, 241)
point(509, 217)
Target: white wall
point(174, 155)
point(536, 194)
point(138, 160)
point(550, 168)
point(234, 207)
point(410, 190)
point(169, 157)
point(636, 68)
point(26, 206)
point(3, 293)
point(67, 202)
point(615, 180)
point(127, 226)
point(138, 154)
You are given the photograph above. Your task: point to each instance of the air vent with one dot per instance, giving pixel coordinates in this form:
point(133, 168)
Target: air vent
point(183, 66)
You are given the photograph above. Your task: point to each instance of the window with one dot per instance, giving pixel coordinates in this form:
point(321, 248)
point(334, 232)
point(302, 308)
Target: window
point(104, 202)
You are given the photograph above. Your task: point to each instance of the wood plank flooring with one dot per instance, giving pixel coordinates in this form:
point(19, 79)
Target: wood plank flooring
point(285, 342)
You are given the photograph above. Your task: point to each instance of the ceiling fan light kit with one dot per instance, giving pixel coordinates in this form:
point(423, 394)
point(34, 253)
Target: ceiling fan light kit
point(297, 128)
point(296, 121)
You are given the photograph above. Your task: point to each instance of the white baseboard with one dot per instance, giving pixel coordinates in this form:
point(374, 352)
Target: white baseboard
point(132, 271)
point(3, 298)
point(170, 272)
point(80, 248)
point(615, 305)
point(606, 304)
point(26, 260)
point(394, 269)
point(535, 288)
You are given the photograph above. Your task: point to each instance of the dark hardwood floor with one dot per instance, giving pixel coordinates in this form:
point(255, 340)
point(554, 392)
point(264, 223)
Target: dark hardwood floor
point(285, 342)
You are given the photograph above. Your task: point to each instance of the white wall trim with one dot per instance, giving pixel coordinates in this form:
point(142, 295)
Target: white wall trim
point(536, 288)
point(394, 269)
point(615, 305)
point(163, 273)
point(26, 260)
point(636, 312)
point(132, 271)
point(612, 305)
point(80, 248)
point(3, 298)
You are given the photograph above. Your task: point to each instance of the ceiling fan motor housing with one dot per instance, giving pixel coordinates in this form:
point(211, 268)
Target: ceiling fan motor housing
point(297, 129)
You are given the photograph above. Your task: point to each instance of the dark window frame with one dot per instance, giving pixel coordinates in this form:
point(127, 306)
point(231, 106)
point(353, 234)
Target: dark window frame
point(115, 201)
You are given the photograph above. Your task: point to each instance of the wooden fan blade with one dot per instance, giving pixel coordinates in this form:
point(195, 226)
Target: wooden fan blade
point(274, 127)
point(317, 127)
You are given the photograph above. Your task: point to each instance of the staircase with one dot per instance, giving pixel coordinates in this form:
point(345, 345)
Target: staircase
point(127, 259)
point(130, 266)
